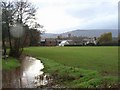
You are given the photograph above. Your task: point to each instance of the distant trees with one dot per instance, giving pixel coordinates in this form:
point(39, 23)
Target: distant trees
point(69, 35)
point(59, 37)
point(106, 37)
point(119, 38)
point(34, 37)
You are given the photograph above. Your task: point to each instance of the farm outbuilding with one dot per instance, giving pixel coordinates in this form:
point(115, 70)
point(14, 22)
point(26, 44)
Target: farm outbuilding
point(63, 43)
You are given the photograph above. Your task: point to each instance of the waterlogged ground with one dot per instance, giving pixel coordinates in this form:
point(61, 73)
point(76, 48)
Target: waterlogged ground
point(26, 76)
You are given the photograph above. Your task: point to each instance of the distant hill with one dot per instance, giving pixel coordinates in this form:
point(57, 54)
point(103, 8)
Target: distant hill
point(49, 35)
point(86, 33)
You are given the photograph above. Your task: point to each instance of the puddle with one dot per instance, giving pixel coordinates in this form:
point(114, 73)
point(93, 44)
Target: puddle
point(29, 75)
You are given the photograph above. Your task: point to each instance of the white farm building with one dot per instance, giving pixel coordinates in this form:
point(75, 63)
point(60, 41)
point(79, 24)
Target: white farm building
point(63, 43)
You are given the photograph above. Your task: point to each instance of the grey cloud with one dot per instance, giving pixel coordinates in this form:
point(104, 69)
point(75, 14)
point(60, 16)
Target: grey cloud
point(93, 10)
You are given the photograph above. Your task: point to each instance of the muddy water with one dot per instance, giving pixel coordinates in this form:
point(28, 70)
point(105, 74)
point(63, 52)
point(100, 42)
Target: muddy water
point(26, 76)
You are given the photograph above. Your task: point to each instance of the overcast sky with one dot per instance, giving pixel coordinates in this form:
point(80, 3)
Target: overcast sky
point(58, 16)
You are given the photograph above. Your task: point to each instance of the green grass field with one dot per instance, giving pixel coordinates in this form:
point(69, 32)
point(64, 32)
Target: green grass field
point(81, 67)
point(102, 59)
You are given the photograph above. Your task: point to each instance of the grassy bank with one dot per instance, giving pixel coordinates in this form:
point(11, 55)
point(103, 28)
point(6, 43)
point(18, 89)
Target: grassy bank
point(72, 77)
point(10, 63)
point(82, 67)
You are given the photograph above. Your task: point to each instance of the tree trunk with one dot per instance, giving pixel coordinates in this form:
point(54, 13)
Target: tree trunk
point(4, 46)
point(15, 51)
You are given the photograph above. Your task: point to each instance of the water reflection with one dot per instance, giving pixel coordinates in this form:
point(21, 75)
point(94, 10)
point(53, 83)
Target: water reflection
point(31, 68)
point(11, 79)
point(29, 75)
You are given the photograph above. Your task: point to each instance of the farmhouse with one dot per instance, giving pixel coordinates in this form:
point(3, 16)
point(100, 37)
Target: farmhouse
point(54, 42)
point(50, 42)
point(90, 41)
point(73, 41)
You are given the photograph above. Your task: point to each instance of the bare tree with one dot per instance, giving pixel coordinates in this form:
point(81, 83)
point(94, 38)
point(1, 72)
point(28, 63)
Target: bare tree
point(7, 13)
point(24, 15)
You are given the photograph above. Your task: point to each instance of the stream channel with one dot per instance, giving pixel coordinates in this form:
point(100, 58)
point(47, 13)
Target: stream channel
point(28, 75)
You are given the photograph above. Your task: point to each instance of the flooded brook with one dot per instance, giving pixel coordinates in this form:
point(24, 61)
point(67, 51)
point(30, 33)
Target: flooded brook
point(29, 75)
